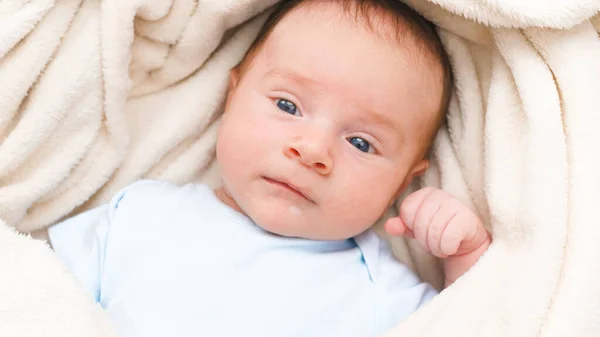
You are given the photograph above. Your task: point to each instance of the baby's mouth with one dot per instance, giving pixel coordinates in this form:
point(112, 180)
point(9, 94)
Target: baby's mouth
point(288, 186)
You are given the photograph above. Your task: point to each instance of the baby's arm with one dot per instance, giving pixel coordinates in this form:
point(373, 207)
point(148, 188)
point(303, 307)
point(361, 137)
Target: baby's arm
point(444, 226)
point(80, 243)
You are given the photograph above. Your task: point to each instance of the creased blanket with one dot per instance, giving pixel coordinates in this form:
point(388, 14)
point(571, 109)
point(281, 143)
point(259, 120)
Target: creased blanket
point(96, 94)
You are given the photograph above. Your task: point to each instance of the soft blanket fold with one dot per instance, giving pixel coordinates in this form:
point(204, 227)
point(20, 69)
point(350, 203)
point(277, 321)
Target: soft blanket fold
point(96, 94)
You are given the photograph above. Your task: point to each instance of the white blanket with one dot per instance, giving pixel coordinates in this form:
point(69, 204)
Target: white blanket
point(96, 94)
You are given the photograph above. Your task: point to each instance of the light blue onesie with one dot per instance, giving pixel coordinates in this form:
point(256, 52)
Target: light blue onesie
point(164, 260)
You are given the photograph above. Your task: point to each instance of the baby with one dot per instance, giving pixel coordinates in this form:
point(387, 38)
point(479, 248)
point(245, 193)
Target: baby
point(328, 118)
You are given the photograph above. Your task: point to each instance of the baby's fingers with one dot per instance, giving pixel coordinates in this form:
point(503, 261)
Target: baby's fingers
point(437, 227)
point(411, 204)
point(424, 218)
point(454, 234)
point(395, 227)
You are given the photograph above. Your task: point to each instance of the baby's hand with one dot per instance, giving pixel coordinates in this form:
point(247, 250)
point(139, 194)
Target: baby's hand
point(440, 223)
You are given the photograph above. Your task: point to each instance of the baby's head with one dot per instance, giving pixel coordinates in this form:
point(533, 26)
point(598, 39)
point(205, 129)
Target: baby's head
point(330, 115)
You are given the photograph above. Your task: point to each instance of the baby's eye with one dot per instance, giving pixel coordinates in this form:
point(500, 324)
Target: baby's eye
point(361, 144)
point(287, 106)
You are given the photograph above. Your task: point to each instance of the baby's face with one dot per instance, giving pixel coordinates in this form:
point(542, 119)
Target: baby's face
point(322, 129)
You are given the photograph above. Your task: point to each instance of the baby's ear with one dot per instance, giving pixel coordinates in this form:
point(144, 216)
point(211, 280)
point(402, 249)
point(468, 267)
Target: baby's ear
point(419, 168)
point(234, 77)
point(416, 171)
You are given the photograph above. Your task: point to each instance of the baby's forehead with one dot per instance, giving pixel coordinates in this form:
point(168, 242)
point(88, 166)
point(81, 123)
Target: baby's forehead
point(399, 25)
point(399, 28)
point(381, 27)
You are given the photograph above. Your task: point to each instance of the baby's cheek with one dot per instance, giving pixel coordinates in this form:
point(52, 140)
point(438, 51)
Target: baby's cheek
point(358, 210)
point(238, 142)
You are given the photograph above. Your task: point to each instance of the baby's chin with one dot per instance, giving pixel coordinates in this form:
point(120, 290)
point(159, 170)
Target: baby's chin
point(294, 224)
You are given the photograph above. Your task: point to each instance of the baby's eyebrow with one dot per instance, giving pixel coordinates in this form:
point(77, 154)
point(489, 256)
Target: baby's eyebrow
point(376, 118)
point(367, 117)
point(372, 117)
point(290, 75)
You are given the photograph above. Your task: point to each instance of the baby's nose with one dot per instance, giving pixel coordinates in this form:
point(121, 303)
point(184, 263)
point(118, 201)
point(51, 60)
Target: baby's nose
point(311, 154)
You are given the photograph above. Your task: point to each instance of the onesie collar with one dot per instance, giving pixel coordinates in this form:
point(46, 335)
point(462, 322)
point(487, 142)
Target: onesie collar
point(370, 245)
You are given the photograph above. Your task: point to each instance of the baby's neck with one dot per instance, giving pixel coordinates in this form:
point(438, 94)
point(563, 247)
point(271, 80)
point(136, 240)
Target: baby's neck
point(225, 198)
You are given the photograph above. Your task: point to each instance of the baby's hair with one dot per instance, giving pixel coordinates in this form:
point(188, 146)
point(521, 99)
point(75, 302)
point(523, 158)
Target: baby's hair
point(377, 15)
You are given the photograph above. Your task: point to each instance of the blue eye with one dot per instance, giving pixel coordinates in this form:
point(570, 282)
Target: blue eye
point(287, 106)
point(360, 144)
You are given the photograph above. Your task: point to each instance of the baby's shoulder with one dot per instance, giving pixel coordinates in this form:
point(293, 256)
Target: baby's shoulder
point(154, 198)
